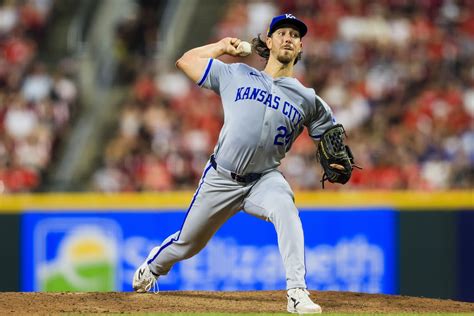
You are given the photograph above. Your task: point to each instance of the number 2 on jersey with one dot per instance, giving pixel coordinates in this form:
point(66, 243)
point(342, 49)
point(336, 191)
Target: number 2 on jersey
point(283, 138)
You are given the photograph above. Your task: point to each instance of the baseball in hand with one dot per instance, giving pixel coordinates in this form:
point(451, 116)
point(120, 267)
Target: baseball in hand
point(244, 49)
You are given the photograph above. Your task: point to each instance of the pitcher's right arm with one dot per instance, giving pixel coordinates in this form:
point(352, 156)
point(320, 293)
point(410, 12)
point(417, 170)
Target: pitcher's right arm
point(194, 62)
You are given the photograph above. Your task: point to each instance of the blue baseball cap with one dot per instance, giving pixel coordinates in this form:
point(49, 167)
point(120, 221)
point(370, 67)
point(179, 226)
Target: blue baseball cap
point(287, 19)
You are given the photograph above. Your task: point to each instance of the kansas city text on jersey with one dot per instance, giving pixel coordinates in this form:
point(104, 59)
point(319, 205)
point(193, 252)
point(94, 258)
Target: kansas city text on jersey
point(270, 100)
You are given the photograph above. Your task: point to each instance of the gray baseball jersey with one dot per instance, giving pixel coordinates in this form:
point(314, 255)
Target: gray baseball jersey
point(263, 115)
point(262, 118)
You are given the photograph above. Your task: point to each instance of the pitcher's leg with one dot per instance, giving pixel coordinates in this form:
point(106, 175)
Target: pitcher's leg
point(272, 199)
point(213, 203)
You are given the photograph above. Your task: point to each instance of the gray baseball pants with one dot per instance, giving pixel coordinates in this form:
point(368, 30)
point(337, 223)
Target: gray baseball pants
point(218, 198)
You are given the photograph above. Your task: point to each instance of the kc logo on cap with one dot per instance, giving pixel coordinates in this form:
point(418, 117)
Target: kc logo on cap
point(287, 19)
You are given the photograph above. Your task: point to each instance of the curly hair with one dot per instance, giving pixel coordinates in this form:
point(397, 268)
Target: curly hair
point(260, 47)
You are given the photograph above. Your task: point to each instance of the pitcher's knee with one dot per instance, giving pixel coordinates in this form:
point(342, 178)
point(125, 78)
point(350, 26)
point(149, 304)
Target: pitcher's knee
point(284, 211)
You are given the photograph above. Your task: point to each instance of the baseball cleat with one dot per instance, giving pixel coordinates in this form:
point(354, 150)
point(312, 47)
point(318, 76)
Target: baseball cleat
point(300, 303)
point(143, 279)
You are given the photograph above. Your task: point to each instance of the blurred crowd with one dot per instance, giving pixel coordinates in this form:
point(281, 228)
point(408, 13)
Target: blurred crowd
point(398, 74)
point(35, 99)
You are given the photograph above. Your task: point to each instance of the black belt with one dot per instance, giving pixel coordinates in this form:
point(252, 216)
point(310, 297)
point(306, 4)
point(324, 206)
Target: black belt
point(248, 178)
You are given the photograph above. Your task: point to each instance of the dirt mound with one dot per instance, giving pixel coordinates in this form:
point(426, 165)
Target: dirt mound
point(229, 302)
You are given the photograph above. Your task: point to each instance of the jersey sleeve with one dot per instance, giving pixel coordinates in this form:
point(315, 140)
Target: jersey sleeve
point(216, 76)
point(322, 119)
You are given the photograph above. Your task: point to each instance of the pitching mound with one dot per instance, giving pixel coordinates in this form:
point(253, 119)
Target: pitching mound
point(226, 302)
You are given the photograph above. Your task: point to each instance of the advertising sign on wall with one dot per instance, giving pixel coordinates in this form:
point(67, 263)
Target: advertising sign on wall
point(82, 251)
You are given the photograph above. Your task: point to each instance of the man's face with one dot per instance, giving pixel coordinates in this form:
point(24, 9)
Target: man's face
point(285, 45)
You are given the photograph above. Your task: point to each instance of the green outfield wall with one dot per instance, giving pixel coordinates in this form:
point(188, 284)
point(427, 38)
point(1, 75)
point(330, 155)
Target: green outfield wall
point(9, 251)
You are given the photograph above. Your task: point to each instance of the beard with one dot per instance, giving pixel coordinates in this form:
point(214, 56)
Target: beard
point(285, 57)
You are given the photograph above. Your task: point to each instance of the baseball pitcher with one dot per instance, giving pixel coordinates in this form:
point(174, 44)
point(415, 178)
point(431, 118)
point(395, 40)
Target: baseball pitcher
point(264, 112)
